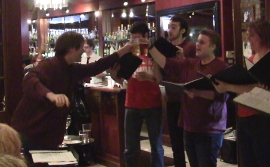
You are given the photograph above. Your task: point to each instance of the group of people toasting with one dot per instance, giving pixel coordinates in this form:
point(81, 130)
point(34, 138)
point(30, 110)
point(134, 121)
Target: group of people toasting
point(196, 118)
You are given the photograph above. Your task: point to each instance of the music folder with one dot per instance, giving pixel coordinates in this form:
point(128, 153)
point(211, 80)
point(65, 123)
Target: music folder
point(128, 65)
point(235, 74)
point(257, 99)
point(165, 47)
point(199, 84)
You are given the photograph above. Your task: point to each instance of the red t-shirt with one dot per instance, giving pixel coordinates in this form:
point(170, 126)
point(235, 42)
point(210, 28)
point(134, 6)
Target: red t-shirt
point(143, 94)
point(244, 111)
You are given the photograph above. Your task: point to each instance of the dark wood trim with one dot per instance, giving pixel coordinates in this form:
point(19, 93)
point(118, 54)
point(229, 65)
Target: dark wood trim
point(237, 29)
point(267, 9)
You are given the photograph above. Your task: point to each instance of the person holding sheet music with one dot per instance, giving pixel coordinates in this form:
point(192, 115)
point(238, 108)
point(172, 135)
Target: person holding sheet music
point(178, 31)
point(203, 112)
point(253, 128)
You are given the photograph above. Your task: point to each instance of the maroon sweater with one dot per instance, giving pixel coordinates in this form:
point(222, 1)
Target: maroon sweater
point(38, 118)
point(189, 48)
point(199, 114)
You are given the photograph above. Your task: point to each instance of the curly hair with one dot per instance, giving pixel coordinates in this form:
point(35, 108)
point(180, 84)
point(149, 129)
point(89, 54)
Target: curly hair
point(11, 161)
point(10, 142)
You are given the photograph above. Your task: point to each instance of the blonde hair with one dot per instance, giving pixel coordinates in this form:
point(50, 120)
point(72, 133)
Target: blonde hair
point(9, 141)
point(11, 161)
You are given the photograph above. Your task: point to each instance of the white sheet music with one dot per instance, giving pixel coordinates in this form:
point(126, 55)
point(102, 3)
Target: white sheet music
point(248, 63)
point(54, 158)
point(257, 98)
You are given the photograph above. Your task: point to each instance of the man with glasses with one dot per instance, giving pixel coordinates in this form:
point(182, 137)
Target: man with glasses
point(88, 57)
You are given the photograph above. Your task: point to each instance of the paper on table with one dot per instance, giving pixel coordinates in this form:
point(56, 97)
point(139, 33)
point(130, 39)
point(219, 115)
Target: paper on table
point(54, 157)
point(257, 98)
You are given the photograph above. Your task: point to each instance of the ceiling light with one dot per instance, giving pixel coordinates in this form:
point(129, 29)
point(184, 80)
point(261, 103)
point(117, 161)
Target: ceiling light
point(96, 13)
point(143, 0)
point(29, 21)
point(125, 3)
point(45, 4)
point(124, 14)
point(82, 16)
point(47, 14)
point(131, 14)
point(67, 11)
point(112, 15)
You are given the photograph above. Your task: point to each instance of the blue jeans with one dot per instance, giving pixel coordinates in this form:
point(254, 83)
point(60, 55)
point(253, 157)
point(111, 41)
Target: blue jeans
point(133, 124)
point(253, 135)
point(176, 134)
point(202, 148)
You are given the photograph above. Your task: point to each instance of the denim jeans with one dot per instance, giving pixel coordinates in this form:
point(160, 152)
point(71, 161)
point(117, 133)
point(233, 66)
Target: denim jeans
point(202, 148)
point(176, 134)
point(133, 124)
point(253, 135)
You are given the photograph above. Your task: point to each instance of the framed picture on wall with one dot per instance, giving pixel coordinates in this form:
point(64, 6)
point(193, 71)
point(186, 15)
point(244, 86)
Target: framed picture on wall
point(247, 14)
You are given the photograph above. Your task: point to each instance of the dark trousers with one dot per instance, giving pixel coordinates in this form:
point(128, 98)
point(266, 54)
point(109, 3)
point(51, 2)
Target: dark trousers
point(176, 133)
point(202, 148)
point(253, 135)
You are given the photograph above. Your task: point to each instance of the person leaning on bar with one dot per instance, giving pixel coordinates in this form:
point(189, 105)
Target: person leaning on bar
point(40, 117)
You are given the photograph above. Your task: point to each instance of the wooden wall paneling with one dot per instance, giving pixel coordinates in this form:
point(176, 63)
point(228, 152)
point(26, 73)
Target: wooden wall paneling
point(12, 50)
point(24, 28)
point(267, 9)
point(226, 27)
point(113, 4)
point(167, 4)
point(237, 29)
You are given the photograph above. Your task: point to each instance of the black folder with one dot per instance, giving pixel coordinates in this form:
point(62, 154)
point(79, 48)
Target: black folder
point(235, 74)
point(262, 70)
point(128, 65)
point(165, 47)
point(199, 84)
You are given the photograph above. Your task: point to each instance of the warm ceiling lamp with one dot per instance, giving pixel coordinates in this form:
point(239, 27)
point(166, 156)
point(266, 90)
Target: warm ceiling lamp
point(55, 4)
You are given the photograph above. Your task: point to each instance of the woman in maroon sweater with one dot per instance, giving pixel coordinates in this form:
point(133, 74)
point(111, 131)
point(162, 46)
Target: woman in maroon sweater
point(40, 117)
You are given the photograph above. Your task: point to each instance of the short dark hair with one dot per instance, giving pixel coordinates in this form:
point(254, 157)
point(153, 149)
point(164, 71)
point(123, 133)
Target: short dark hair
point(262, 28)
point(183, 23)
point(214, 38)
point(139, 27)
point(90, 42)
point(67, 41)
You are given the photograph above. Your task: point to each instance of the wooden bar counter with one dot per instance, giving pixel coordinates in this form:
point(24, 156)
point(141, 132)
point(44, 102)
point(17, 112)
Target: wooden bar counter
point(107, 115)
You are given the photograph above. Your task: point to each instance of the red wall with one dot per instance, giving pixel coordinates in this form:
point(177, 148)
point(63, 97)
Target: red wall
point(225, 21)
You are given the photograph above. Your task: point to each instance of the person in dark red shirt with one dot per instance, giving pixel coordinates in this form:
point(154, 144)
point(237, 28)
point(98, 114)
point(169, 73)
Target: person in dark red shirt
point(203, 112)
point(178, 34)
point(40, 117)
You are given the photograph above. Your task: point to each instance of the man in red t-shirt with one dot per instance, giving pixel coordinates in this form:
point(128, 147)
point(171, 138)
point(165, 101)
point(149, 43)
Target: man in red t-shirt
point(143, 102)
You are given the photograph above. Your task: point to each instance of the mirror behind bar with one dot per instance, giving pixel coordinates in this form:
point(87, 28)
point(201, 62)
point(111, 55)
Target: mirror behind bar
point(198, 16)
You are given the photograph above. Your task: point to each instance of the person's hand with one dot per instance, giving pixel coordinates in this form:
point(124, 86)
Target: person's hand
point(191, 93)
point(125, 49)
point(114, 70)
point(59, 99)
point(263, 86)
point(180, 52)
point(221, 87)
point(145, 41)
point(143, 76)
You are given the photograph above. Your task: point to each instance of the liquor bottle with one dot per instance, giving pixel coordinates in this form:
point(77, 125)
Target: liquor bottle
point(104, 50)
point(150, 30)
point(154, 30)
point(79, 112)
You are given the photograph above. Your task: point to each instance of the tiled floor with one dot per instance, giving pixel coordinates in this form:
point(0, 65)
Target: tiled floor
point(168, 153)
